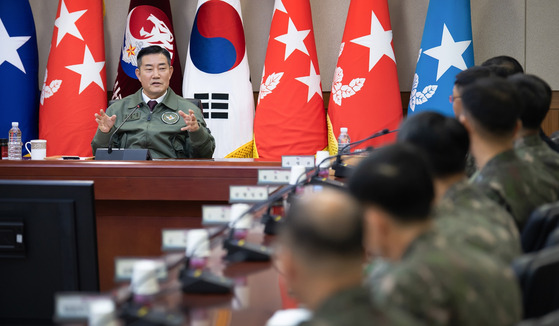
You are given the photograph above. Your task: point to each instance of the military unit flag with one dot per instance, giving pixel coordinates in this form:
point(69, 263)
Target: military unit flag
point(290, 117)
point(217, 73)
point(19, 69)
point(365, 94)
point(75, 84)
point(446, 49)
point(149, 22)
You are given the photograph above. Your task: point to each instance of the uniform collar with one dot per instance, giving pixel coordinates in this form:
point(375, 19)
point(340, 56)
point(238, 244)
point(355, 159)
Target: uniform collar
point(158, 100)
point(529, 141)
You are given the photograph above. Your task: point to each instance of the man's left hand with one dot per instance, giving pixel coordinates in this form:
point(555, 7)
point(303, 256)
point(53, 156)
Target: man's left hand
point(190, 120)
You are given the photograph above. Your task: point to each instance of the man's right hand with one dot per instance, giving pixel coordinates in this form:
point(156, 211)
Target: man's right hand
point(104, 121)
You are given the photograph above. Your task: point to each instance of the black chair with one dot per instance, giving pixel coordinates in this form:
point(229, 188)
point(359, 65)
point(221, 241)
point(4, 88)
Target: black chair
point(553, 239)
point(196, 102)
point(540, 225)
point(538, 276)
point(551, 319)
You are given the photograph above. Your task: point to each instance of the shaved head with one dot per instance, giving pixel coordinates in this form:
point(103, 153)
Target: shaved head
point(325, 228)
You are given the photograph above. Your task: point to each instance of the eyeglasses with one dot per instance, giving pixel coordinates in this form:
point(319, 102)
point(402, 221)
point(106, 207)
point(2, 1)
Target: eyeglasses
point(453, 98)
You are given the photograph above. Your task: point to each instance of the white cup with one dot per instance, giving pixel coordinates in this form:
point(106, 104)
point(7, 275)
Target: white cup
point(297, 174)
point(320, 157)
point(239, 218)
point(144, 278)
point(38, 149)
point(197, 243)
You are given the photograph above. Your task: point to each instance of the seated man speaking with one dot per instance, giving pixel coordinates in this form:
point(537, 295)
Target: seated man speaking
point(160, 123)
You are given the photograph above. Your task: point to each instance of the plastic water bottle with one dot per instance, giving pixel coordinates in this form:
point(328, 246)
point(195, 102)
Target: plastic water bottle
point(14, 142)
point(343, 141)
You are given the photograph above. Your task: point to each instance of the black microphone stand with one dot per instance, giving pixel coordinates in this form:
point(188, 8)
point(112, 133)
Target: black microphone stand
point(342, 170)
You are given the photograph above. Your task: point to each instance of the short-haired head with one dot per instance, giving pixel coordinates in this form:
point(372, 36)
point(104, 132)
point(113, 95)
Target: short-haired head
point(397, 179)
point(325, 228)
point(503, 66)
point(154, 49)
point(443, 140)
point(535, 98)
point(494, 107)
point(470, 75)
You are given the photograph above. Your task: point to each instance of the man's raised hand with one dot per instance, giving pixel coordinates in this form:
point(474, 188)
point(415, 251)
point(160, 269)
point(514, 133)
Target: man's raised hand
point(104, 121)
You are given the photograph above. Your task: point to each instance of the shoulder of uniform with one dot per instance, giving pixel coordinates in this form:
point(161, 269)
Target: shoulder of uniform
point(129, 101)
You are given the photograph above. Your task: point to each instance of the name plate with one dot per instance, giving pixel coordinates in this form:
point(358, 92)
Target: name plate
point(173, 239)
point(288, 161)
point(124, 268)
point(216, 214)
point(273, 177)
point(75, 306)
point(248, 194)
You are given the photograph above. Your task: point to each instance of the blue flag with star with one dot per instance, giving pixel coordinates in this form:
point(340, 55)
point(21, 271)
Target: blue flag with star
point(446, 49)
point(19, 87)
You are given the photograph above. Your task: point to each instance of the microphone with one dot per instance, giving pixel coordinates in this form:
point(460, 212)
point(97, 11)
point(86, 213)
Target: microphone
point(338, 166)
point(110, 147)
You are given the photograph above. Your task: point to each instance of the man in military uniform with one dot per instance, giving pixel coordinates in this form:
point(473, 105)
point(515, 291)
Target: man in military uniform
point(463, 79)
point(321, 256)
point(535, 96)
point(156, 115)
point(462, 211)
point(437, 280)
point(491, 112)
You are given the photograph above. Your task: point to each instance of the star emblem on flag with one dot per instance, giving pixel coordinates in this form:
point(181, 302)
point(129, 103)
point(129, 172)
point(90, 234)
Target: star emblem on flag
point(379, 42)
point(66, 23)
point(294, 39)
point(131, 50)
point(89, 71)
point(449, 53)
point(313, 83)
point(10, 46)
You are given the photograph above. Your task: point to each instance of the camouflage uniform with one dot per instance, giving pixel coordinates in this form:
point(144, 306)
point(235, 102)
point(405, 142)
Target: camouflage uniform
point(353, 307)
point(519, 187)
point(441, 282)
point(533, 149)
point(465, 214)
point(471, 166)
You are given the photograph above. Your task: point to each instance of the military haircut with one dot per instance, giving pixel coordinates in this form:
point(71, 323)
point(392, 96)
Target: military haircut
point(325, 227)
point(535, 99)
point(396, 178)
point(503, 66)
point(154, 49)
point(494, 105)
point(443, 140)
point(470, 75)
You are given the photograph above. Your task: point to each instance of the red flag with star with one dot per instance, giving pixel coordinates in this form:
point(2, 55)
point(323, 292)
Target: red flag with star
point(74, 86)
point(149, 22)
point(290, 117)
point(365, 94)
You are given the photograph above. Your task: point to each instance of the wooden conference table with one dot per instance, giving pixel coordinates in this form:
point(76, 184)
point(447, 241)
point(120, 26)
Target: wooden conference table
point(134, 201)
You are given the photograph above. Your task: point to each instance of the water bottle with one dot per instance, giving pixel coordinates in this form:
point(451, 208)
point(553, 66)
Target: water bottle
point(343, 141)
point(14, 142)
